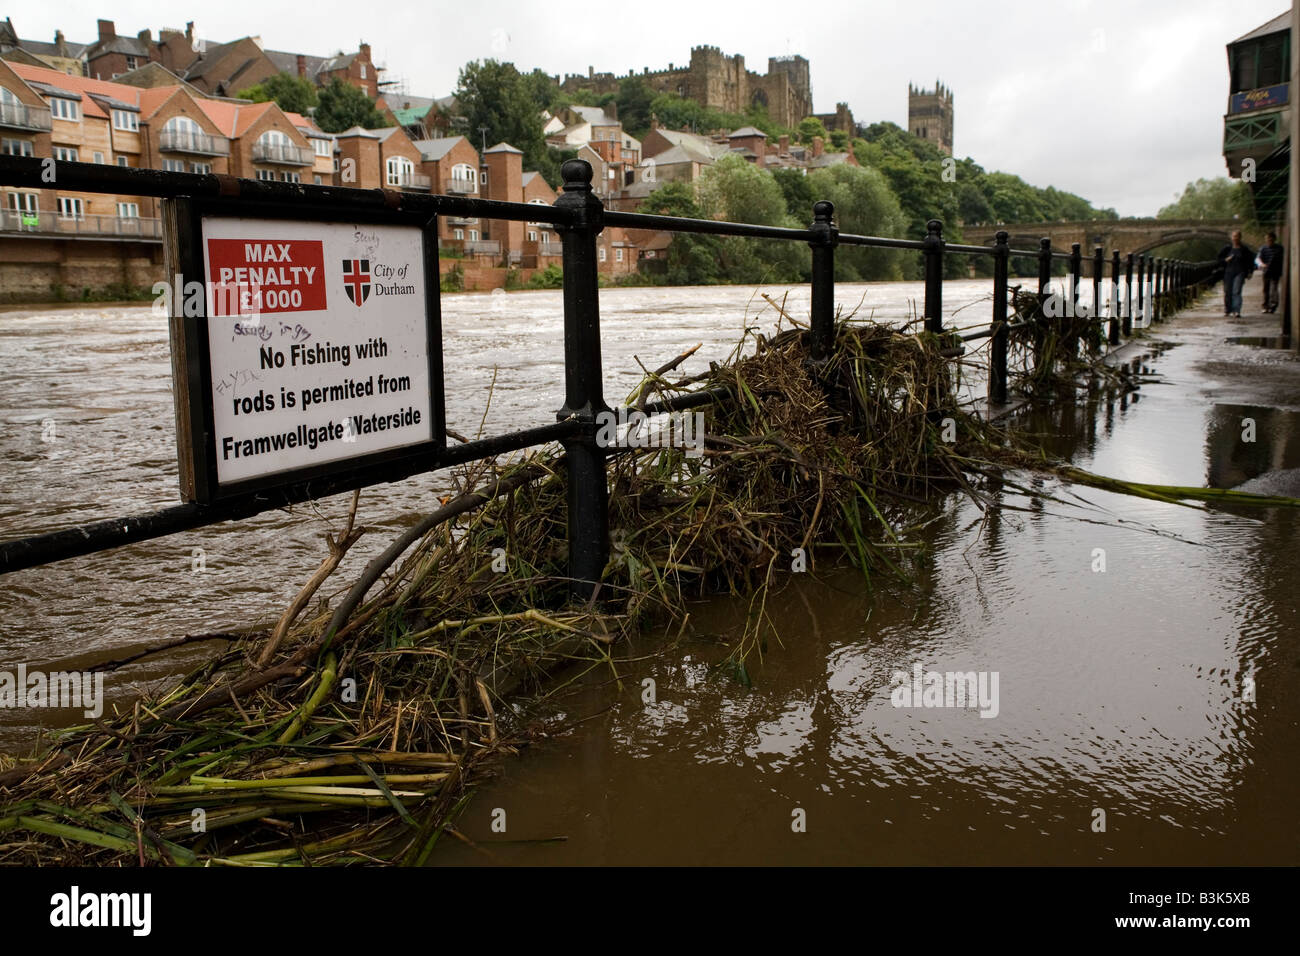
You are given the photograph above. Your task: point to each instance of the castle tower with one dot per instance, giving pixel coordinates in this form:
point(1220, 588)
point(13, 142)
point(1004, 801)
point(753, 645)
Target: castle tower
point(929, 115)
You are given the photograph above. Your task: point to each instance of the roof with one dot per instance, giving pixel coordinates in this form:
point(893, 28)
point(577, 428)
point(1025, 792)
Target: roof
point(41, 48)
point(828, 159)
point(435, 149)
point(234, 119)
point(505, 148)
point(411, 114)
point(288, 62)
point(700, 148)
point(746, 131)
point(42, 78)
point(1279, 23)
point(383, 132)
point(679, 154)
point(367, 133)
point(527, 178)
point(131, 46)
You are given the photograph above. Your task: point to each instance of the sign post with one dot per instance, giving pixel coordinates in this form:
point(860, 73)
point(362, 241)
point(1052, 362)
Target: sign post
point(303, 346)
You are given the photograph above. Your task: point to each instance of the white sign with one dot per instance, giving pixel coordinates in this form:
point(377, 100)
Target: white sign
point(318, 342)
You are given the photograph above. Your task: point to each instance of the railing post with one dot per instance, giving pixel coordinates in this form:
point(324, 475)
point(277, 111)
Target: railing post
point(998, 358)
point(1142, 286)
point(1076, 268)
point(825, 236)
point(1044, 284)
point(934, 276)
point(1113, 337)
point(1094, 326)
point(588, 494)
point(1126, 325)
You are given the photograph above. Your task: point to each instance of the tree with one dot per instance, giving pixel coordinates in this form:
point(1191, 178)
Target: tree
point(692, 259)
point(633, 101)
point(738, 191)
point(509, 104)
point(865, 205)
point(1220, 198)
point(293, 94)
point(343, 107)
point(809, 127)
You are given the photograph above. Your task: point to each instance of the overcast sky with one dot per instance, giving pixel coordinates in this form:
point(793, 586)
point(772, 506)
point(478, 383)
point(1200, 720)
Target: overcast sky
point(1120, 101)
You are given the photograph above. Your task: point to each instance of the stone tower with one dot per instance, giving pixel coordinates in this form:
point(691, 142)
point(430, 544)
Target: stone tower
point(929, 114)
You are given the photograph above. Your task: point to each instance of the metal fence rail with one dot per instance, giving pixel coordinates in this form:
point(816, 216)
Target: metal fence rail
point(578, 216)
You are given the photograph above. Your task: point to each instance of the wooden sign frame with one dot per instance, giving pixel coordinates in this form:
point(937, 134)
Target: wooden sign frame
point(192, 369)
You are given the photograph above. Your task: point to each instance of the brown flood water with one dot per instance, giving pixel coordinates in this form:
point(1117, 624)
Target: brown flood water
point(1118, 691)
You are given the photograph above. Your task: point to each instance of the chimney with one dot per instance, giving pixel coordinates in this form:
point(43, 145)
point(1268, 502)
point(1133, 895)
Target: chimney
point(365, 51)
point(107, 31)
point(302, 65)
point(145, 35)
point(784, 143)
point(818, 146)
point(591, 72)
point(59, 44)
point(189, 31)
point(611, 109)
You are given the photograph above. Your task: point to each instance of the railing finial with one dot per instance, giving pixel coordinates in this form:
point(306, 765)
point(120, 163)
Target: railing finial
point(576, 174)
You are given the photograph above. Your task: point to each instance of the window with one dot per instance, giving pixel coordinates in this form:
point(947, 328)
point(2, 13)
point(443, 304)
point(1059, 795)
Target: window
point(22, 202)
point(70, 208)
point(473, 235)
point(316, 180)
point(173, 165)
point(65, 154)
point(323, 147)
point(65, 109)
point(482, 177)
point(400, 170)
point(290, 178)
point(336, 164)
point(121, 161)
point(203, 168)
point(458, 233)
point(128, 210)
point(464, 173)
point(266, 175)
point(363, 71)
point(126, 120)
point(532, 237)
point(602, 254)
point(99, 159)
point(618, 255)
point(131, 62)
point(16, 147)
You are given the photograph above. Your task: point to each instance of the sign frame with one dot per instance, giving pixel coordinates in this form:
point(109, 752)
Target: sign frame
point(192, 368)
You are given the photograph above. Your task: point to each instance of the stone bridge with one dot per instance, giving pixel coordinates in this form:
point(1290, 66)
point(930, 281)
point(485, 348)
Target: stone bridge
point(1126, 235)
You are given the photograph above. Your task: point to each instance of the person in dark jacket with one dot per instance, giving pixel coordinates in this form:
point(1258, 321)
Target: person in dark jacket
point(1238, 264)
point(1271, 257)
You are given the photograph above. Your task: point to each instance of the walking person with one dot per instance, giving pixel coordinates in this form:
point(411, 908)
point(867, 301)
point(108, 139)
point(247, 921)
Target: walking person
point(1238, 264)
point(1271, 257)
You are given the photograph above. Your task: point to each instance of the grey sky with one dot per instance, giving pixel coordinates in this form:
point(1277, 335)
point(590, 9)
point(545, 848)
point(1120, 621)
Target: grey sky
point(1119, 101)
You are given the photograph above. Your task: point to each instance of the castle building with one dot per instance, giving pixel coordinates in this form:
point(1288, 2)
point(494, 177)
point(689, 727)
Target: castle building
point(720, 82)
point(929, 114)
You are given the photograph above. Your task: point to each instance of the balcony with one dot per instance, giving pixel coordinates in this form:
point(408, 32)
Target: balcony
point(282, 154)
point(199, 144)
point(1267, 97)
point(50, 223)
point(20, 116)
point(416, 182)
point(462, 221)
point(550, 249)
point(461, 187)
point(482, 247)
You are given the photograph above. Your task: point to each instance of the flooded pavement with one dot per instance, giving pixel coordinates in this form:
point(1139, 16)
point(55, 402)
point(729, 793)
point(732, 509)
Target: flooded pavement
point(1133, 664)
point(1146, 661)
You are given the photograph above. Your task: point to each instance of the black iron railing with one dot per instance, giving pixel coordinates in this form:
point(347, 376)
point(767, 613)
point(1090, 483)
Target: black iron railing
point(579, 216)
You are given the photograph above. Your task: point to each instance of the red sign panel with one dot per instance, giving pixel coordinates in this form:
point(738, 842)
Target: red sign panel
point(256, 276)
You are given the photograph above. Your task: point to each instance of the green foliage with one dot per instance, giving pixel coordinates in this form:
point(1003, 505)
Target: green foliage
point(691, 259)
point(737, 191)
point(839, 140)
point(634, 104)
point(1220, 198)
point(293, 94)
point(343, 106)
point(865, 205)
point(508, 103)
point(676, 112)
point(809, 127)
point(453, 280)
point(552, 277)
